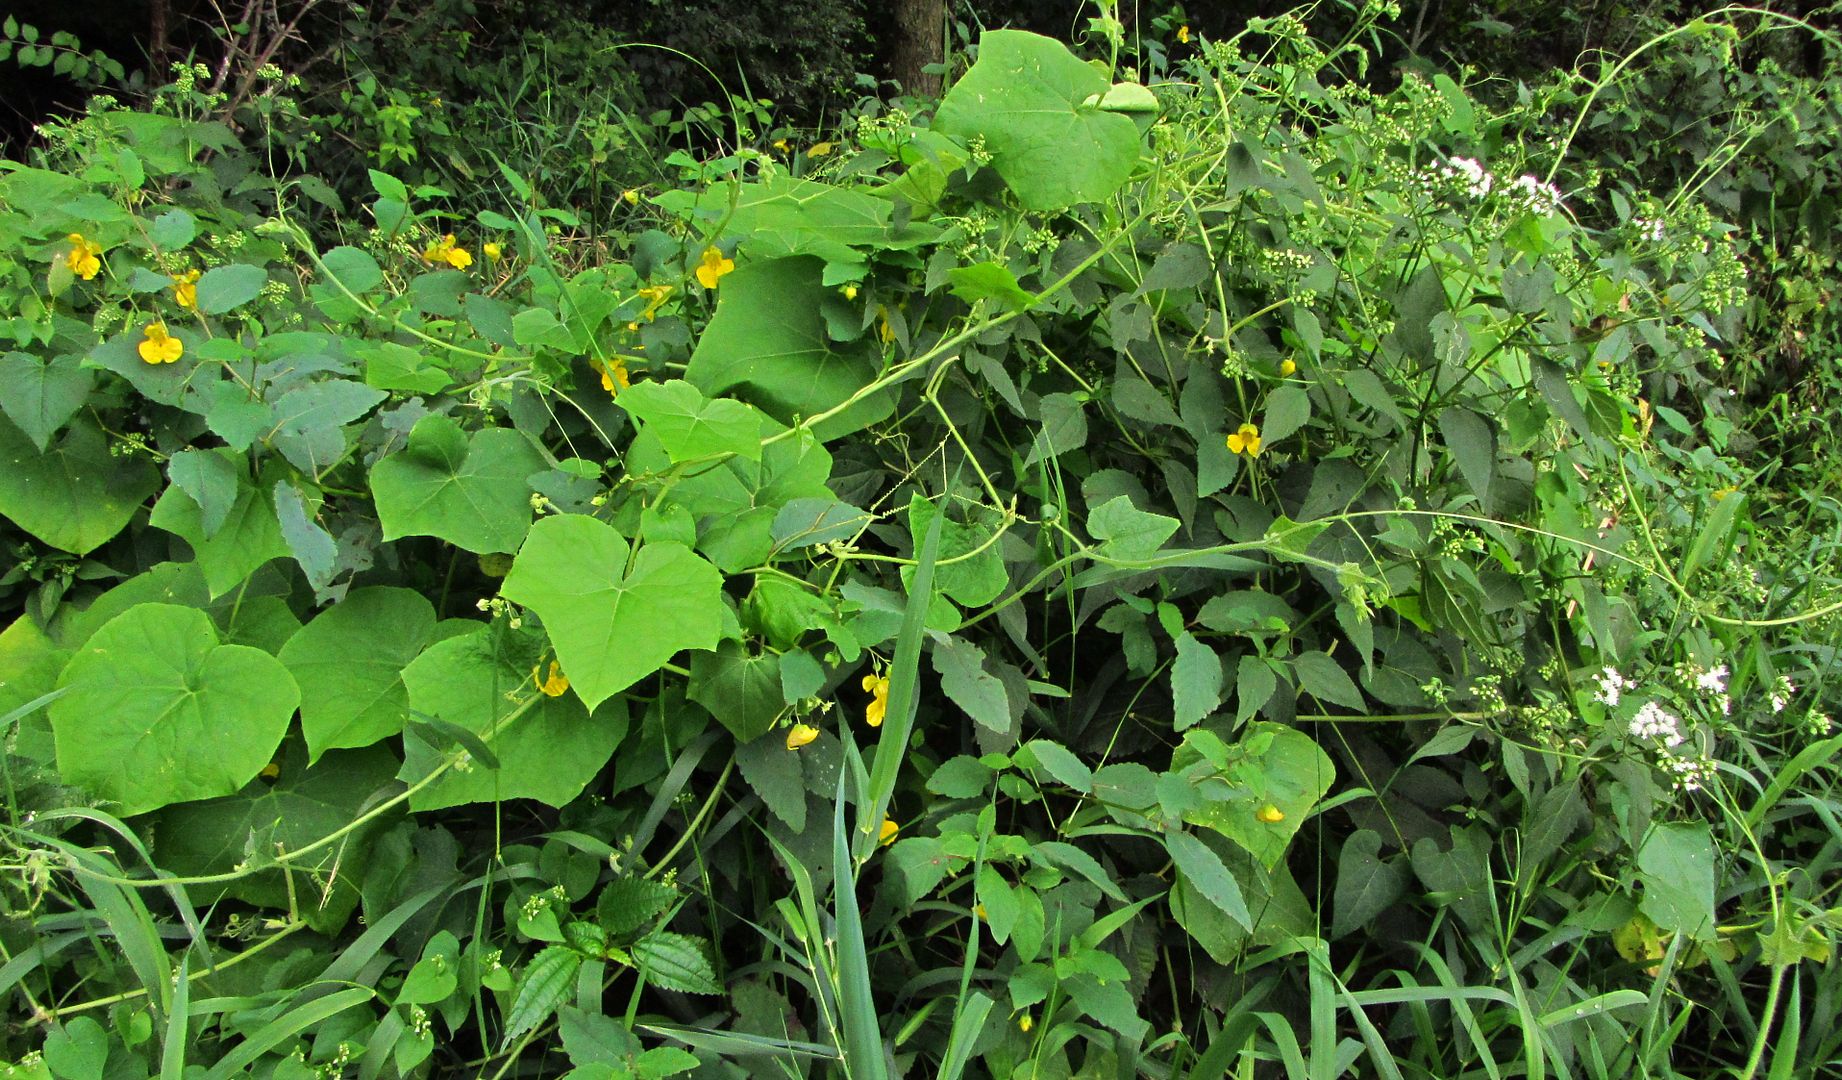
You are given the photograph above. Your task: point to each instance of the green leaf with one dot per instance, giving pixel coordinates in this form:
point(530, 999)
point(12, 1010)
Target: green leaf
point(1366, 886)
point(784, 215)
point(775, 774)
point(311, 545)
point(547, 748)
point(172, 230)
point(1063, 428)
point(249, 536)
point(226, 288)
point(628, 903)
point(1061, 763)
point(436, 975)
point(1287, 409)
point(1036, 106)
point(1205, 872)
point(962, 777)
point(990, 281)
point(740, 688)
point(546, 983)
point(966, 683)
point(688, 426)
point(1324, 678)
point(1195, 681)
point(39, 395)
point(1473, 444)
point(676, 962)
point(209, 478)
point(767, 344)
point(472, 492)
point(1291, 773)
point(1676, 865)
point(159, 712)
point(1127, 532)
point(972, 580)
point(348, 662)
point(614, 616)
point(353, 268)
point(75, 497)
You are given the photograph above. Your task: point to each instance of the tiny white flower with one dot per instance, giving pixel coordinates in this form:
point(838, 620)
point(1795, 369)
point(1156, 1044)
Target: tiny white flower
point(1714, 680)
point(1611, 687)
point(1652, 721)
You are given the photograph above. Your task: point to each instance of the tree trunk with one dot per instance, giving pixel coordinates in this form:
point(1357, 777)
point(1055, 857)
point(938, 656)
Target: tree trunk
point(916, 42)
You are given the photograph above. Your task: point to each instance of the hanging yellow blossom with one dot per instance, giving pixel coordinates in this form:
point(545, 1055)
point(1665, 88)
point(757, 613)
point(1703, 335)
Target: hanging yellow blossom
point(1183, 34)
point(979, 910)
point(493, 252)
point(160, 346)
point(655, 297)
point(780, 145)
point(553, 683)
point(800, 734)
point(1287, 368)
point(1024, 1023)
point(878, 686)
point(885, 330)
point(820, 150)
point(631, 196)
point(1270, 814)
point(448, 250)
point(185, 290)
point(713, 266)
point(850, 292)
point(886, 835)
point(614, 377)
point(1245, 441)
point(84, 257)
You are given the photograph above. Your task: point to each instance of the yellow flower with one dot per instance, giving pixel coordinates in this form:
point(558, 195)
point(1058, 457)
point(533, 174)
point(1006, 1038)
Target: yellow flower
point(84, 257)
point(493, 252)
point(780, 145)
point(713, 267)
point(553, 684)
point(873, 713)
point(800, 734)
point(1287, 367)
point(185, 290)
point(448, 250)
point(160, 346)
point(1183, 34)
point(1245, 441)
point(850, 292)
point(1270, 814)
point(1024, 1023)
point(655, 296)
point(886, 835)
point(270, 772)
point(614, 377)
point(820, 150)
point(979, 910)
point(631, 196)
point(885, 330)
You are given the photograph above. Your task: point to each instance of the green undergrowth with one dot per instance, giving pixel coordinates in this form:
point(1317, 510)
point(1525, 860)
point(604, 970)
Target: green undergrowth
point(1241, 573)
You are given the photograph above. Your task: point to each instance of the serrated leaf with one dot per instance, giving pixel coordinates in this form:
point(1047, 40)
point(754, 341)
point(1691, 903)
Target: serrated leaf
point(1366, 886)
point(1061, 763)
point(1473, 445)
point(775, 774)
point(209, 477)
point(627, 904)
point(614, 617)
point(676, 962)
point(967, 684)
point(1195, 680)
point(546, 983)
point(249, 535)
point(1208, 875)
point(1287, 409)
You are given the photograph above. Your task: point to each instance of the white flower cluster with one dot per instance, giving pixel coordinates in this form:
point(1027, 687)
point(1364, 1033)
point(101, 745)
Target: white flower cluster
point(1469, 174)
point(1652, 721)
point(1470, 177)
point(1612, 686)
point(1535, 196)
point(1781, 694)
point(1649, 228)
point(1689, 773)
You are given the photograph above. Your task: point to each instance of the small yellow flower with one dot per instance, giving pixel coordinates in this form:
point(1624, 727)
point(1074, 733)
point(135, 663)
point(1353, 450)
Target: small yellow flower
point(448, 250)
point(1287, 368)
point(1722, 493)
point(713, 266)
point(1024, 1023)
point(614, 377)
point(185, 290)
point(886, 835)
point(84, 257)
point(885, 330)
point(160, 346)
point(850, 292)
point(878, 686)
point(631, 196)
point(655, 296)
point(554, 683)
point(493, 252)
point(1245, 441)
point(820, 150)
point(979, 910)
point(1270, 814)
point(780, 145)
point(270, 772)
point(800, 734)
point(1183, 34)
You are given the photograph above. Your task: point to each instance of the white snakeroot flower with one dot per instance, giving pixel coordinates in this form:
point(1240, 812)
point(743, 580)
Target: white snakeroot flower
point(1611, 687)
point(1650, 229)
point(1714, 680)
point(1689, 772)
point(1535, 195)
point(1652, 721)
point(1475, 179)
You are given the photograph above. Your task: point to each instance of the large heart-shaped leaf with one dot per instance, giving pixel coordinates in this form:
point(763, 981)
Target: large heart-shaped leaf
point(616, 615)
point(76, 496)
point(767, 344)
point(349, 660)
point(1037, 107)
point(158, 712)
point(546, 748)
point(1282, 771)
point(39, 395)
point(471, 492)
point(690, 427)
point(248, 536)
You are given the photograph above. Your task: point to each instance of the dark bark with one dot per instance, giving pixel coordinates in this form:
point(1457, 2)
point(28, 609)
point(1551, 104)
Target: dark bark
point(915, 42)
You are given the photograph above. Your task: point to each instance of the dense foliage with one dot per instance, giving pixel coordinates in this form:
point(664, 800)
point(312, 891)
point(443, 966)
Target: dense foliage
point(1174, 561)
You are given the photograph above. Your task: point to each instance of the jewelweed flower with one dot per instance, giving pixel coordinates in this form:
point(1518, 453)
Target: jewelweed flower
point(821, 149)
point(553, 683)
point(84, 257)
point(1246, 440)
point(1024, 1023)
point(493, 252)
point(448, 250)
point(270, 772)
point(885, 330)
point(878, 686)
point(1270, 814)
point(713, 266)
point(979, 910)
point(1287, 368)
point(614, 377)
point(780, 145)
point(1183, 35)
point(800, 734)
point(185, 290)
point(655, 296)
point(631, 196)
point(886, 835)
point(160, 346)
point(850, 292)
